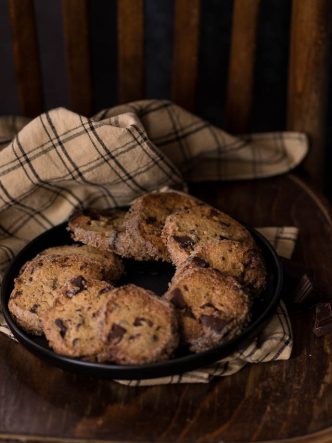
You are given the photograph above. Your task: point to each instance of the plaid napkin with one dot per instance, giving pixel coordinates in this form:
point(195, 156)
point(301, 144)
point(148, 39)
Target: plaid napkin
point(61, 162)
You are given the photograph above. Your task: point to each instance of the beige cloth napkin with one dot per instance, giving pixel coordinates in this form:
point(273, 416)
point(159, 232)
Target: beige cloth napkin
point(61, 161)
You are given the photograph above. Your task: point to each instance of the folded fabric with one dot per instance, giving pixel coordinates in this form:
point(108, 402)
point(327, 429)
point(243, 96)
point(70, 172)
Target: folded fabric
point(61, 161)
point(273, 343)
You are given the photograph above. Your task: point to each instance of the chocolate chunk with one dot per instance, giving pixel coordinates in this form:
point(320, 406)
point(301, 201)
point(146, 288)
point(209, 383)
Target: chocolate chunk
point(214, 212)
point(198, 261)
point(187, 312)
point(16, 294)
point(177, 298)
point(151, 220)
point(83, 266)
point(223, 223)
point(184, 241)
point(212, 322)
point(323, 320)
point(106, 215)
point(139, 321)
point(79, 284)
point(34, 308)
point(60, 324)
point(81, 322)
point(179, 302)
point(223, 237)
point(54, 283)
point(106, 289)
point(133, 337)
point(117, 332)
point(155, 338)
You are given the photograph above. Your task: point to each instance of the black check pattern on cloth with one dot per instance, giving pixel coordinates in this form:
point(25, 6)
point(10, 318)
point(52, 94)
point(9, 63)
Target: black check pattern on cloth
point(61, 162)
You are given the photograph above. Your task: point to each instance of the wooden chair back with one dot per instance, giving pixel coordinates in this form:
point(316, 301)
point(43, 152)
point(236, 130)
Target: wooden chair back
point(307, 77)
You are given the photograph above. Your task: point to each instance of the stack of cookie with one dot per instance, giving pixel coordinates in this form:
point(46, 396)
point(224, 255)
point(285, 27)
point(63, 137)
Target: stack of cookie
point(68, 292)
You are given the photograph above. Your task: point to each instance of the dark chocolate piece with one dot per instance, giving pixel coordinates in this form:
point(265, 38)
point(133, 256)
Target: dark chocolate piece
point(323, 320)
point(133, 337)
point(187, 312)
point(60, 324)
point(177, 298)
point(16, 294)
point(79, 284)
point(184, 241)
point(198, 261)
point(151, 220)
point(139, 321)
point(117, 332)
point(214, 212)
point(54, 283)
point(223, 223)
point(212, 322)
point(34, 308)
point(106, 289)
point(223, 237)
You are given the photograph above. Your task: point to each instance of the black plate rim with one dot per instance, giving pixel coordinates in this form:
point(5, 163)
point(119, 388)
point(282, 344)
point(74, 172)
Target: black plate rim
point(153, 370)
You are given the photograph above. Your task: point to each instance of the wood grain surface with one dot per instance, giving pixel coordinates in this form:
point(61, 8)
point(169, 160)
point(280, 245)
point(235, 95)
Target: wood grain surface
point(308, 80)
point(240, 83)
point(273, 401)
point(26, 56)
point(186, 43)
point(130, 15)
point(76, 35)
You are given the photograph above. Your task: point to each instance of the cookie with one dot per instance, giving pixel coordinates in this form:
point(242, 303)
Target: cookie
point(139, 327)
point(110, 261)
point(145, 221)
point(212, 307)
point(35, 289)
point(97, 228)
point(74, 324)
point(185, 231)
point(231, 258)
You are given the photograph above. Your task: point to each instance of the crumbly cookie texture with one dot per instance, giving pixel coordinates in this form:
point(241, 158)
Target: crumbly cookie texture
point(97, 228)
point(232, 258)
point(112, 262)
point(73, 326)
point(146, 217)
point(185, 231)
point(212, 307)
point(139, 327)
point(35, 289)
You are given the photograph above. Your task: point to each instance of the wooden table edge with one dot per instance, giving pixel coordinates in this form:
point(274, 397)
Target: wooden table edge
point(322, 436)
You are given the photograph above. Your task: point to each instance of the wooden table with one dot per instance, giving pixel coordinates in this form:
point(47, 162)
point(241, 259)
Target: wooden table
point(273, 401)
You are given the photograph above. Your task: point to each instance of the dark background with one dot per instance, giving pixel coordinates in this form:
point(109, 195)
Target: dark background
point(270, 90)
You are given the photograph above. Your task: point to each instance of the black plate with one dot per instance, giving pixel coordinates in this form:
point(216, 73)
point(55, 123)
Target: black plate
point(150, 275)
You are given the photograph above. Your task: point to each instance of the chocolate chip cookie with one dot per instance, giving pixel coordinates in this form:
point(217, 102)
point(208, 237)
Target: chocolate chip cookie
point(139, 327)
point(74, 324)
point(146, 219)
point(110, 261)
point(35, 289)
point(185, 231)
point(212, 307)
point(231, 258)
point(97, 227)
